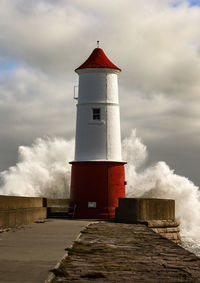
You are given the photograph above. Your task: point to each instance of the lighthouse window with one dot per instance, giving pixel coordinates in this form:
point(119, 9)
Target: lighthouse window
point(96, 113)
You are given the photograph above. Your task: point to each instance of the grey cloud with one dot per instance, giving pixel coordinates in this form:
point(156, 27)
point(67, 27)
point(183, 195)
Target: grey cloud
point(32, 105)
point(156, 45)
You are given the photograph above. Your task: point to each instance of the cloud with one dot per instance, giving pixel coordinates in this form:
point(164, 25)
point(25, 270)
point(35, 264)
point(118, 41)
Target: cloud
point(33, 105)
point(42, 33)
point(156, 44)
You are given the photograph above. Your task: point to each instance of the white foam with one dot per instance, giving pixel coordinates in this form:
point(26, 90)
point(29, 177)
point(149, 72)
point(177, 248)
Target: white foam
point(42, 170)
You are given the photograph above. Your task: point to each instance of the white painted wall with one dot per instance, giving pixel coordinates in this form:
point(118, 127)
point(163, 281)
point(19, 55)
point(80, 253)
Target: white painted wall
point(98, 140)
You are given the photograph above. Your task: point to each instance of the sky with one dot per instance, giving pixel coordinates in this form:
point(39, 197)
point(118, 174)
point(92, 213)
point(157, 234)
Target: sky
point(156, 43)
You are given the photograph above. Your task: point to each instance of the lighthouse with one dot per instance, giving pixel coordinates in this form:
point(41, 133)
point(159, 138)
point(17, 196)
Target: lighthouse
point(97, 176)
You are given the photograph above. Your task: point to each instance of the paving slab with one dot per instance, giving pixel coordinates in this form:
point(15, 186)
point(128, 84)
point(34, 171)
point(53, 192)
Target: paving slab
point(28, 253)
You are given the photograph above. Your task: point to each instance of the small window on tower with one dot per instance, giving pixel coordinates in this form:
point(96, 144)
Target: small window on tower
point(96, 114)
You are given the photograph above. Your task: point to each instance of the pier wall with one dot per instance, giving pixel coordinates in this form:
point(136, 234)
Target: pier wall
point(16, 211)
point(157, 214)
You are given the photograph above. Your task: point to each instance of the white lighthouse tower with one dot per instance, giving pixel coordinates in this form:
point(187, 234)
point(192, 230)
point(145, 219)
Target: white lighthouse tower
point(97, 179)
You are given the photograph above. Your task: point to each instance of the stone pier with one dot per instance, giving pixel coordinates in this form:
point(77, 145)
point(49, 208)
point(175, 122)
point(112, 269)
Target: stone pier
point(117, 252)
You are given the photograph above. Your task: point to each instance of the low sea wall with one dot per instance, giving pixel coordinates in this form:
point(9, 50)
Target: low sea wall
point(157, 214)
point(57, 208)
point(16, 211)
point(56, 202)
point(134, 210)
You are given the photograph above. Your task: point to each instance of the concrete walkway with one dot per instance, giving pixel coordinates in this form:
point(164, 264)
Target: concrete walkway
point(28, 253)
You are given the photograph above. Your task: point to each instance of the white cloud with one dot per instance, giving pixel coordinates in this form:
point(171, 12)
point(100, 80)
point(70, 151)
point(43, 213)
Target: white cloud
point(156, 45)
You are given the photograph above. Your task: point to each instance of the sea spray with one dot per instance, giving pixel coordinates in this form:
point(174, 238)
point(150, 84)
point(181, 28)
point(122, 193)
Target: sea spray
point(43, 169)
point(134, 152)
point(159, 181)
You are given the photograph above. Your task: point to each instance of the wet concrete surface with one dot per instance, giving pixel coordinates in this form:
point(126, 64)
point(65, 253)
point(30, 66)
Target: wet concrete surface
point(28, 253)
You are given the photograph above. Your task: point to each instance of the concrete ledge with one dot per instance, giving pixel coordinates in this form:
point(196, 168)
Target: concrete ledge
point(16, 217)
point(57, 202)
point(16, 211)
point(57, 207)
point(12, 202)
point(134, 210)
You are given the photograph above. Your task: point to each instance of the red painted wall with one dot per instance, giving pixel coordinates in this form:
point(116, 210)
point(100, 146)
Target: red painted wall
point(100, 182)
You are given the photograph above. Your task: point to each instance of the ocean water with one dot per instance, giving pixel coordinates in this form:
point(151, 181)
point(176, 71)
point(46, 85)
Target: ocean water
point(43, 169)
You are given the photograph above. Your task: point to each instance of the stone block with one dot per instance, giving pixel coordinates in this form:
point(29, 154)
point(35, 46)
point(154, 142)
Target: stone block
point(163, 223)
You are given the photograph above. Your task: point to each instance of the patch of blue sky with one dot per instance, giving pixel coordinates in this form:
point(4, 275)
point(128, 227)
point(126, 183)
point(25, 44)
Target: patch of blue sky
point(7, 67)
point(194, 2)
point(191, 3)
point(175, 4)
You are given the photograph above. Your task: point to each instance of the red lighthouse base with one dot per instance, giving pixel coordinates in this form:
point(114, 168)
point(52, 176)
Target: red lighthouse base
point(96, 187)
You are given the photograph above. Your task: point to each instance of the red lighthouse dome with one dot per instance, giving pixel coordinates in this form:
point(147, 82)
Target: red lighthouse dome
point(98, 59)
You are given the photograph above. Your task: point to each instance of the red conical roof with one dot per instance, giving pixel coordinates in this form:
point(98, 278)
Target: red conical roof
point(98, 59)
